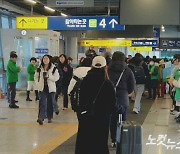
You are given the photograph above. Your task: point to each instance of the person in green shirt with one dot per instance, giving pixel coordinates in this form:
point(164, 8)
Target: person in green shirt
point(31, 84)
point(153, 72)
point(12, 79)
point(175, 81)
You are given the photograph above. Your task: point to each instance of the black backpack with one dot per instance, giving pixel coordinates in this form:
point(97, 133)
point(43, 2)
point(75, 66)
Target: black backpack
point(75, 95)
point(139, 73)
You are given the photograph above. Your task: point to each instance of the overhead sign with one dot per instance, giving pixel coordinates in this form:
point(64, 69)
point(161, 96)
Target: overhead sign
point(31, 22)
point(70, 3)
point(102, 50)
point(140, 49)
point(84, 23)
point(106, 43)
point(41, 50)
point(169, 43)
point(150, 43)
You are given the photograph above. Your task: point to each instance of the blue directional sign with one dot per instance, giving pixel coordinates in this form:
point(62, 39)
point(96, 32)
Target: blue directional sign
point(149, 43)
point(84, 23)
point(41, 50)
point(156, 32)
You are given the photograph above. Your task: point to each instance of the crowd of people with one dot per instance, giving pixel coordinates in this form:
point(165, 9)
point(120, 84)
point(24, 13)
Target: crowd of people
point(103, 88)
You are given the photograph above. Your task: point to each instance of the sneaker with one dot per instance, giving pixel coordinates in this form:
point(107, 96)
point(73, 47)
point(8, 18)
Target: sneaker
point(64, 108)
point(49, 121)
point(136, 111)
point(172, 108)
point(28, 99)
point(57, 112)
point(37, 99)
point(40, 121)
point(113, 144)
point(13, 106)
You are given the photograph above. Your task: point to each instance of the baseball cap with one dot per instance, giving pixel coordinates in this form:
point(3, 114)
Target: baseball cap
point(99, 62)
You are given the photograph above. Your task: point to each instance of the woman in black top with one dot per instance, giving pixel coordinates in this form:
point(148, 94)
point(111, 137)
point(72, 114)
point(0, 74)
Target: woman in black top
point(92, 137)
point(62, 84)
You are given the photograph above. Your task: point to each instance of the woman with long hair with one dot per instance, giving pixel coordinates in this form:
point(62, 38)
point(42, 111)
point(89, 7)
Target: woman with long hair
point(97, 102)
point(45, 78)
point(62, 84)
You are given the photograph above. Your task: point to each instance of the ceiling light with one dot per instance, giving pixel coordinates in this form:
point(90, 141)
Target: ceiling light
point(48, 8)
point(163, 30)
point(31, 1)
point(162, 27)
point(63, 14)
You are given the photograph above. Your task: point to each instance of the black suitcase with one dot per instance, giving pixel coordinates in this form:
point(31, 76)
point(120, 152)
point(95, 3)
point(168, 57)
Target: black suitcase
point(129, 137)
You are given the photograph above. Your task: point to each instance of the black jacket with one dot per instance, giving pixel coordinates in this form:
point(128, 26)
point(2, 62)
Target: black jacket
point(136, 61)
point(92, 137)
point(126, 85)
point(90, 53)
point(89, 89)
point(67, 72)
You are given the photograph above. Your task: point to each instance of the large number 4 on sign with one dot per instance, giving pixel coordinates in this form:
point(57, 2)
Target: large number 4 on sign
point(103, 23)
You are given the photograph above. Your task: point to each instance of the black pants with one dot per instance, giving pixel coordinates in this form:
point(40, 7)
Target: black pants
point(114, 120)
point(11, 94)
point(153, 88)
point(62, 90)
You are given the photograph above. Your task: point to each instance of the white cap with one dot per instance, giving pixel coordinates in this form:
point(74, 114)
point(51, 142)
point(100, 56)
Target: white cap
point(99, 62)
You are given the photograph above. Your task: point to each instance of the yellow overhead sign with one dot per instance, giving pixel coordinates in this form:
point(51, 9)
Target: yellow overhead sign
point(31, 22)
point(141, 49)
point(106, 43)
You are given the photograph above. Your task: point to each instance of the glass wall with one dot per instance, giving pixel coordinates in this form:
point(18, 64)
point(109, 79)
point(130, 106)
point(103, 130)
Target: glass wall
point(13, 23)
point(5, 22)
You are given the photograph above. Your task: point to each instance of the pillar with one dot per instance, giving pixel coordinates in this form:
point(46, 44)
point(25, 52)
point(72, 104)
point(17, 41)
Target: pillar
point(71, 50)
point(61, 47)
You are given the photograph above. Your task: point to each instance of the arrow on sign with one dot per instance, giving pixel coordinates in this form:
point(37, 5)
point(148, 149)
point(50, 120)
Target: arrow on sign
point(113, 22)
point(154, 43)
point(23, 21)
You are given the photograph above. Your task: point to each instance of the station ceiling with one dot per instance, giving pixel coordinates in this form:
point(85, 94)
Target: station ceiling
point(101, 7)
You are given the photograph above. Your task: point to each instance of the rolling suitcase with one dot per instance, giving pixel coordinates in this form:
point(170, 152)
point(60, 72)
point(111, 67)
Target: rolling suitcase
point(129, 137)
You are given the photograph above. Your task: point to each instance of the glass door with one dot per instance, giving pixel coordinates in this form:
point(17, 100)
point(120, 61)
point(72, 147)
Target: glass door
point(23, 47)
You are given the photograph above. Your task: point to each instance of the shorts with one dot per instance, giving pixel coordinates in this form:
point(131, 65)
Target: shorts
point(178, 103)
point(31, 86)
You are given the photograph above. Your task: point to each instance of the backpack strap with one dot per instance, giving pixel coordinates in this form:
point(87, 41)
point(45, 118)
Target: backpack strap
point(76, 78)
point(119, 78)
point(54, 69)
point(39, 71)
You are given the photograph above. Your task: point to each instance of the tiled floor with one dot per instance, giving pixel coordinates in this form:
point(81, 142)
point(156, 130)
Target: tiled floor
point(20, 134)
point(160, 131)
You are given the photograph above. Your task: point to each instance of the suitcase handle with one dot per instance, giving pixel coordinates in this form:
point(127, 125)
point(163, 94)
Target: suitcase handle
point(120, 119)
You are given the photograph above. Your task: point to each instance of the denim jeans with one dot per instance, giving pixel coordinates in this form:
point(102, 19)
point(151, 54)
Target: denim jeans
point(139, 89)
point(54, 102)
point(45, 105)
